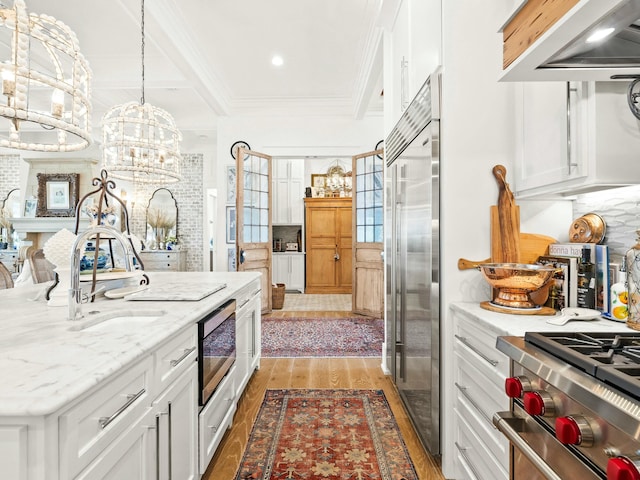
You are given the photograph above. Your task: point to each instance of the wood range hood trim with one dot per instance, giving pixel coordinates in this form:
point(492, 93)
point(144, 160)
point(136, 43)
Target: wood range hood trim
point(541, 28)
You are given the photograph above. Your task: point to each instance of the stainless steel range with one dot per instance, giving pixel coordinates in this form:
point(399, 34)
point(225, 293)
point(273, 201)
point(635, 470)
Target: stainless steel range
point(575, 405)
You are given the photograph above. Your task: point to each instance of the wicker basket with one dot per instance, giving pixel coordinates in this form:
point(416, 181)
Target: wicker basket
point(277, 295)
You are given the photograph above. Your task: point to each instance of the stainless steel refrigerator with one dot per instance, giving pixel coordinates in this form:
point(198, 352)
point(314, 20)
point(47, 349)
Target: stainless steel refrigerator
point(412, 260)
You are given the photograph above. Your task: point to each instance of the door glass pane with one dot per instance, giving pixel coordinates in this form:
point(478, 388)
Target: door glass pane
point(256, 200)
point(369, 221)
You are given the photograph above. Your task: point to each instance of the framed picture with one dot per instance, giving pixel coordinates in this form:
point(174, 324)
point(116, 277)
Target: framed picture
point(231, 184)
point(30, 207)
point(231, 259)
point(57, 194)
point(318, 180)
point(231, 224)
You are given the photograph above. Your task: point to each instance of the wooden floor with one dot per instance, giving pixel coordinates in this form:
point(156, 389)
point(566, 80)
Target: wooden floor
point(334, 372)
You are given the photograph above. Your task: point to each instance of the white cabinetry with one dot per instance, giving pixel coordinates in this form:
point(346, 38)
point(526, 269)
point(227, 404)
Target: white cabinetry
point(288, 191)
point(288, 268)
point(481, 451)
point(248, 334)
point(574, 138)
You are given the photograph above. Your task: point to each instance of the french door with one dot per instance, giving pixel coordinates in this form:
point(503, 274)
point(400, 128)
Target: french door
point(253, 218)
point(368, 234)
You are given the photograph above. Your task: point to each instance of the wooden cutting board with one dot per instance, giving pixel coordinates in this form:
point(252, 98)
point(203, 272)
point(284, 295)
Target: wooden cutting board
point(505, 222)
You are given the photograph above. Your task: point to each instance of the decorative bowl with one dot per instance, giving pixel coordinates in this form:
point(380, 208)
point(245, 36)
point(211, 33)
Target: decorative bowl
point(515, 282)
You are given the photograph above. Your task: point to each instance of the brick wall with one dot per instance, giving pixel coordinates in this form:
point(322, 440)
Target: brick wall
point(189, 196)
point(9, 175)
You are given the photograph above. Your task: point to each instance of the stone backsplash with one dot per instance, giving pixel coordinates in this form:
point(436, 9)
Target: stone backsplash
point(620, 209)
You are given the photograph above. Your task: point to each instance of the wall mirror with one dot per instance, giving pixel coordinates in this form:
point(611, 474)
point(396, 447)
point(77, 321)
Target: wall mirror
point(162, 220)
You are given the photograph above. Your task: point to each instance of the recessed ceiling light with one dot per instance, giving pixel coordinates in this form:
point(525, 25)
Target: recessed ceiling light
point(600, 34)
point(277, 60)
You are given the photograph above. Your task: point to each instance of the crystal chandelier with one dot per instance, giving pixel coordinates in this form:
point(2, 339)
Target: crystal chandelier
point(141, 143)
point(45, 84)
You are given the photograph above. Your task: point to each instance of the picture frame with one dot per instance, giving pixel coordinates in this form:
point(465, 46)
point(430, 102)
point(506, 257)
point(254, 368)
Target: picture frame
point(57, 194)
point(318, 180)
point(30, 207)
point(231, 184)
point(231, 224)
point(231, 259)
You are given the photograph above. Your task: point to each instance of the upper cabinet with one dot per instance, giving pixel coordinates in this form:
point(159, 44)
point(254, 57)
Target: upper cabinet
point(288, 191)
point(554, 40)
point(573, 138)
point(411, 51)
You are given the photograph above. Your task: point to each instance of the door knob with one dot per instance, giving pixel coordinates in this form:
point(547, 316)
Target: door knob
point(336, 256)
point(242, 256)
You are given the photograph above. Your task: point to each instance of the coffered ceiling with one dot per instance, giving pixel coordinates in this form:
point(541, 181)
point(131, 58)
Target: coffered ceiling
point(210, 58)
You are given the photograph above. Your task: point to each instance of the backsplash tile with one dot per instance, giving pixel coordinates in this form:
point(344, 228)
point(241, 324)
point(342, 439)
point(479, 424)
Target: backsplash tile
point(620, 209)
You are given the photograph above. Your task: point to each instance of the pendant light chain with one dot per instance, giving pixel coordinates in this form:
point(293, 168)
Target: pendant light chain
point(142, 56)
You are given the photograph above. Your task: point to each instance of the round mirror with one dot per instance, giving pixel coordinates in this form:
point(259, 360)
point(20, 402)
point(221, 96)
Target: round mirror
point(162, 220)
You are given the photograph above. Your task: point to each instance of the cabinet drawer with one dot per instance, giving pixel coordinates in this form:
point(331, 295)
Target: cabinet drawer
point(482, 343)
point(215, 417)
point(87, 428)
point(474, 415)
point(174, 357)
point(473, 454)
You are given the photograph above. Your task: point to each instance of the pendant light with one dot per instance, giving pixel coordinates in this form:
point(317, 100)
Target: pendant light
point(141, 143)
point(45, 102)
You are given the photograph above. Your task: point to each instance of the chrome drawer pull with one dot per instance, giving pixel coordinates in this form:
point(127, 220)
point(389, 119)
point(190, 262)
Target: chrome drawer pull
point(463, 453)
point(463, 391)
point(510, 426)
point(184, 355)
point(478, 352)
point(105, 421)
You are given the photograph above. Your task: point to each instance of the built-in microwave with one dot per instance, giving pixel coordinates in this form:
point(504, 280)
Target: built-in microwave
point(216, 348)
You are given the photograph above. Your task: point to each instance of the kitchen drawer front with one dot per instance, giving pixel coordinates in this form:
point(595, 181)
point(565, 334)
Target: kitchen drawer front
point(164, 261)
point(478, 413)
point(246, 293)
point(174, 357)
point(482, 343)
point(87, 428)
point(215, 417)
point(473, 454)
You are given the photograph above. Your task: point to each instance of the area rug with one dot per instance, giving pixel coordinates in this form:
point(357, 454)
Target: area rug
point(325, 434)
point(322, 337)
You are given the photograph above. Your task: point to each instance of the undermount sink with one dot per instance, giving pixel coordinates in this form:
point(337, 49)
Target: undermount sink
point(96, 320)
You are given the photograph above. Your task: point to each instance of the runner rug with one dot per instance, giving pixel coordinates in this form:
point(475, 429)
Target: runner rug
point(325, 434)
point(322, 337)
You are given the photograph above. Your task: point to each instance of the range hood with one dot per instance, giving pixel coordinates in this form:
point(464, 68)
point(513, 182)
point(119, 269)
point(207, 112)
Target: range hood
point(566, 51)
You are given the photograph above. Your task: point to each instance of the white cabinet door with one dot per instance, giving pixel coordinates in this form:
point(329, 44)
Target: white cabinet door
point(177, 411)
point(133, 456)
point(288, 191)
point(550, 150)
point(281, 206)
point(296, 272)
point(296, 201)
point(280, 269)
point(248, 318)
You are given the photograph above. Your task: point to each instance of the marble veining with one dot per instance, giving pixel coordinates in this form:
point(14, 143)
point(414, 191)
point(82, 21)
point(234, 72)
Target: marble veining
point(45, 363)
point(517, 325)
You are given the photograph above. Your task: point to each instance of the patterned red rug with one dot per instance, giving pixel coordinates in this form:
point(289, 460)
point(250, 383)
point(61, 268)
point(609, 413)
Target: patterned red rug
point(325, 434)
point(322, 337)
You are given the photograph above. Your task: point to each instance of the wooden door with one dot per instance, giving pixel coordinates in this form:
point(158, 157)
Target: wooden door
point(368, 234)
point(328, 245)
point(253, 215)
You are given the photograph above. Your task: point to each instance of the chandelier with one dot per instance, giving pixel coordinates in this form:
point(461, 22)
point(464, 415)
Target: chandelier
point(141, 143)
point(45, 84)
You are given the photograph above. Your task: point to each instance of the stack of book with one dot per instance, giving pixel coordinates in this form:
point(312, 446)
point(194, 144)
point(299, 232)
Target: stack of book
point(583, 276)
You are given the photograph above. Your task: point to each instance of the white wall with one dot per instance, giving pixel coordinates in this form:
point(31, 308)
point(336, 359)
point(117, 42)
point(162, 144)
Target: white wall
point(301, 136)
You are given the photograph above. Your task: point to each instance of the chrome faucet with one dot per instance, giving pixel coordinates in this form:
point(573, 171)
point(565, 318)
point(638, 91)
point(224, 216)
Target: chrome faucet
point(75, 292)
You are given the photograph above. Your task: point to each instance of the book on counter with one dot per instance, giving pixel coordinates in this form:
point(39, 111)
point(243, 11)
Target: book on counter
point(592, 275)
point(564, 292)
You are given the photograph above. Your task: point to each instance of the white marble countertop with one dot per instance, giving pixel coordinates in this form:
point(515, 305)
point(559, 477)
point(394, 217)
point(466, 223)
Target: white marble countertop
point(45, 361)
point(517, 325)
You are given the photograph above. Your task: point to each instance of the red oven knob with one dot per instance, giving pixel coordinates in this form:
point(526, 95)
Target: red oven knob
point(577, 430)
point(514, 387)
point(622, 468)
point(538, 403)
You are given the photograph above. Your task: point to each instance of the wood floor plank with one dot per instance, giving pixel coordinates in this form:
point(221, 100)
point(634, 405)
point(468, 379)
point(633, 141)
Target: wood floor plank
point(361, 373)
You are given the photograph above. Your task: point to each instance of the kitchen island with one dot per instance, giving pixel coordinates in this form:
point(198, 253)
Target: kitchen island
point(95, 398)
